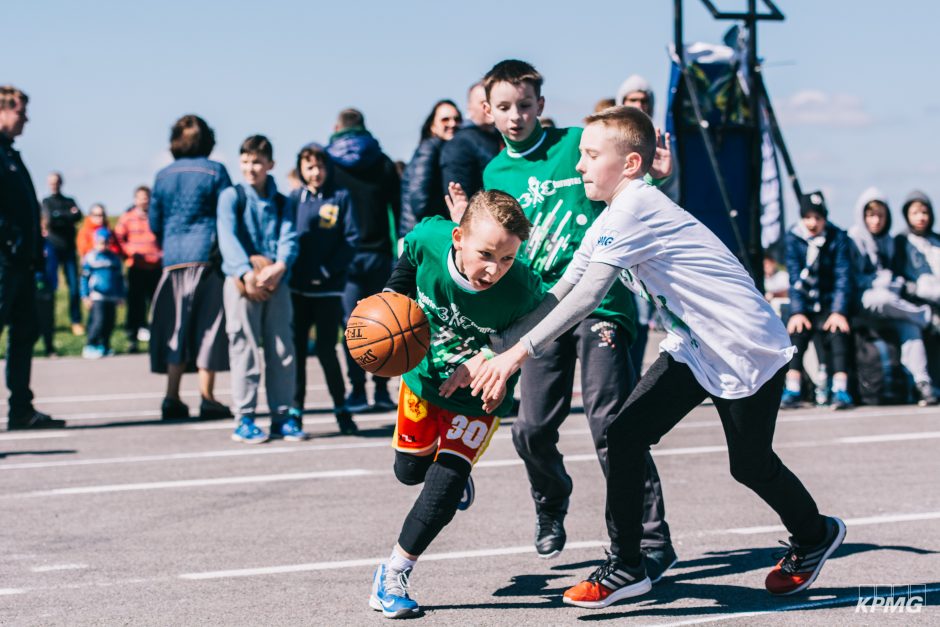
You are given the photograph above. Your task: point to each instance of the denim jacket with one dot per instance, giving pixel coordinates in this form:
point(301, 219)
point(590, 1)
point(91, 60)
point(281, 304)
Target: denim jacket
point(264, 229)
point(183, 209)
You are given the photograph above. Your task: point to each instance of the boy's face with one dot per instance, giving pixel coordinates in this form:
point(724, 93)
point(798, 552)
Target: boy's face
point(876, 217)
point(515, 109)
point(602, 166)
point(485, 251)
point(770, 266)
point(100, 243)
point(814, 223)
point(918, 216)
point(255, 168)
point(313, 171)
point(142, 200)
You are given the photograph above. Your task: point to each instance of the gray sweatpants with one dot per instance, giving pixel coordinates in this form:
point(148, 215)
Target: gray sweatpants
point(909, 320)
point(251, 326)
point(607, 379)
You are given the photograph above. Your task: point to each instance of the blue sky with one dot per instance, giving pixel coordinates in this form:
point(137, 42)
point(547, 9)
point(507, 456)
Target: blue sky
point(850, 81)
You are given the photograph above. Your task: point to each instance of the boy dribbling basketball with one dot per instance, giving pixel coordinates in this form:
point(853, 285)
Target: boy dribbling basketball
point(465, 281)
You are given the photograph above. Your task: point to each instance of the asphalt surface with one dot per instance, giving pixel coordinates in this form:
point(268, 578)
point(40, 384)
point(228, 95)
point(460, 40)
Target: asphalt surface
point(120, 519)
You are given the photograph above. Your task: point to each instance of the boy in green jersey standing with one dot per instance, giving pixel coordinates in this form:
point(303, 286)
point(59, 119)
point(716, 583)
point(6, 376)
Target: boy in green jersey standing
point(537, 167)
point(465, 281)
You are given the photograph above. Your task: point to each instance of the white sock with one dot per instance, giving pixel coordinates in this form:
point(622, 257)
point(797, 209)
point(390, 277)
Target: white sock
point(399, 562)
point(840, 382)
point(793, 382)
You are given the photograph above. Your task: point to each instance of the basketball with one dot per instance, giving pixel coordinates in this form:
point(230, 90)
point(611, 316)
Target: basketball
point(387, 334)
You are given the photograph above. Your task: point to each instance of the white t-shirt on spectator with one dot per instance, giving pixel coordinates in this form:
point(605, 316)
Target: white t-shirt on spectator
point(716, 321)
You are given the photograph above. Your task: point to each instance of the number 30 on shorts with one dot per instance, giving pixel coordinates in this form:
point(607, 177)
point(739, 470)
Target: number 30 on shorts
point(471, 432)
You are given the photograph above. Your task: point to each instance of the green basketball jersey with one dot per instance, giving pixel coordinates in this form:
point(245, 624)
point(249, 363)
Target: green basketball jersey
point(460, 318)
point(541, 175)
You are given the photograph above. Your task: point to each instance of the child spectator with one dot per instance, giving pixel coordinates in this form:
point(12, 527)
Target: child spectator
point(258, 243)
point(919, 251)
point(326, 238)
point(47, 280)
point(102, 289)
point(142, 256)
point(819, 264)
point(85, 240)
point(879, 288)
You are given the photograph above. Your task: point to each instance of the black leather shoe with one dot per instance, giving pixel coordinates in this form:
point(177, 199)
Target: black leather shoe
point(174, 409)
point(36, 420)
point(213, 410)
point(658, 561)
point(550, 533)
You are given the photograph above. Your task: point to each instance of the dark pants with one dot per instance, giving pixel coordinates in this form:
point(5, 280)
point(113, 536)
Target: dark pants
point(325, 314)
point(368, 273)
point(832, 348)
point(18, 312)
point(45, 319)
point(666, 393)
point(606, 381)
point(67, 260)
point(141, 284)
point(101, 323)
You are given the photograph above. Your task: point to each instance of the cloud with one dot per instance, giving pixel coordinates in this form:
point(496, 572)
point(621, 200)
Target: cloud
point(812, 107)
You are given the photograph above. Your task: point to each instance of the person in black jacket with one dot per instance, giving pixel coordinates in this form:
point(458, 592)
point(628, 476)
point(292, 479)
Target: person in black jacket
point(375, 188)
point(464, 158)
point(20, 255)
point(421, 195)
point(327, 237)
point(60, 214)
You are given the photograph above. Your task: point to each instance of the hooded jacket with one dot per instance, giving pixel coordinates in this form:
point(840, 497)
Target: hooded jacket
point(872, 255)
point(421, 195)
point(917, 257)
point(634, 82)
point(834, 274)
point(373, 184)
point(327, 235)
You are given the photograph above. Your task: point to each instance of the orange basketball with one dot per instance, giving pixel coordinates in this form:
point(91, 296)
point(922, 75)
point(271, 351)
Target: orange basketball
point(387, 334)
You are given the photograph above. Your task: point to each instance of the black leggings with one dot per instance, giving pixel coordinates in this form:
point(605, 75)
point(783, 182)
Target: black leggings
point(325, 313)
point(444, 480)
point(665, 394)
point(832, 349)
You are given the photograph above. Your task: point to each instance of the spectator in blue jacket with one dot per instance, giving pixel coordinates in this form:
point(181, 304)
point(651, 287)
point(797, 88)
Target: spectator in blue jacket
point(821, 293)
point(102, 288)
point(188, 328)
point(258, 242)
point(327, 237)
point(421, 195)
point(464, 158)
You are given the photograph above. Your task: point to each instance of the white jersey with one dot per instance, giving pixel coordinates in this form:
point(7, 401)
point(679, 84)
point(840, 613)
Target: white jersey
point(717, 322)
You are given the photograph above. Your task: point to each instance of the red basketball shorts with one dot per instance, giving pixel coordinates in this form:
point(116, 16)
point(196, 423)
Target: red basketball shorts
point(423, 429)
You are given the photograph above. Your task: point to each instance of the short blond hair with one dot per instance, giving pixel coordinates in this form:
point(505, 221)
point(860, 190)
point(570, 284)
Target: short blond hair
point(10, 95)
point(500, 206)
point(634, 129)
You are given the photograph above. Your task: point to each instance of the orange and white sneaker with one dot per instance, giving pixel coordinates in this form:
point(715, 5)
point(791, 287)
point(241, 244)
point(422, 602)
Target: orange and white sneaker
point(801, 564)
point(611, 582)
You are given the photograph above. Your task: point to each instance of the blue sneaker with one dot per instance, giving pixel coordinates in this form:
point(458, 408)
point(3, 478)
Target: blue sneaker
point(842, 400)
point(390, 593)
point(790, 400)
point(469, 493)
point(292, 431)
point(248, 432)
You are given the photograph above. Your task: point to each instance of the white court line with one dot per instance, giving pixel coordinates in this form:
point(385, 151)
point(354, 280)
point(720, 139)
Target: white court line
point(6, 591)
point(809, 605)
point(896, 437)
point(56, 567)
point(195, 483)
point(33, 436)
point(849, 522)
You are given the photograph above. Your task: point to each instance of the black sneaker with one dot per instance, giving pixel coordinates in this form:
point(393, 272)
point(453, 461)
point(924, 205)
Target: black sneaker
point(213, 410)
point(383, 402)
point(801, 564)
point(347, 426)
point(925, 392)
point(174, 409)
point(611, 582)
point(36, 420)
point(658, 561)
point(550, 533)
point(356, 402)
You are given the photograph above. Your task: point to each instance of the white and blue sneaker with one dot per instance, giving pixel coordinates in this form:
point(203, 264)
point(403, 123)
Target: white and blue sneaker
point(248, 432)
point(469, 493)
point(292, 431)
point(390, 593)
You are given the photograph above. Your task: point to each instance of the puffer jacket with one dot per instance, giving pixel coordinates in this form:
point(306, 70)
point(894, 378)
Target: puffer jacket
point(835, 285)
point(421, 195)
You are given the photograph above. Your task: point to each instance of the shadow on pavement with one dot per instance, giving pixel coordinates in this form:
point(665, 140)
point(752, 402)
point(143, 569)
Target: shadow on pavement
point(55, 452)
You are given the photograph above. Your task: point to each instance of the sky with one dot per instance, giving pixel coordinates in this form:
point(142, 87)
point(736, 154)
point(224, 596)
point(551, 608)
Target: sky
point(850, 81)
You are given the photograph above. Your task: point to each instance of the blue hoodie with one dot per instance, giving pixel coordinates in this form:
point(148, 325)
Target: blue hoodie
point(327, 236)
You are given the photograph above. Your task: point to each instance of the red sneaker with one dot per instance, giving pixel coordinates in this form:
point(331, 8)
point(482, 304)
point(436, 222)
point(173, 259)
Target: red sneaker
point(611, 582)
point(801, 565)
